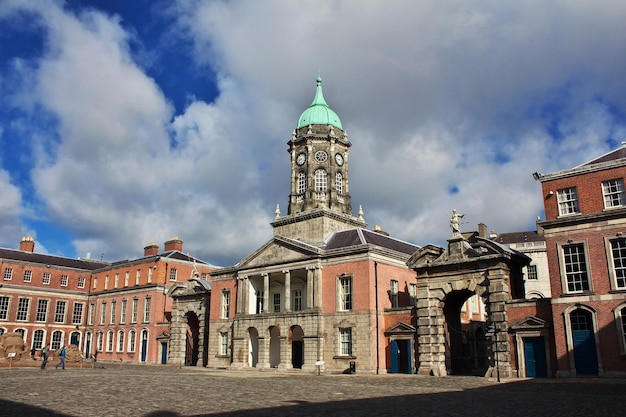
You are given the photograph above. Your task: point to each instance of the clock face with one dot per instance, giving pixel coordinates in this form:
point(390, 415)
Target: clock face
point(320, 156)
point(300, 159)
point(339, 159)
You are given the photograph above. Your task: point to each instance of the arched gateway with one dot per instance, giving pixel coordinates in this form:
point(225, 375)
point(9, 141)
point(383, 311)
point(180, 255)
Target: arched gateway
point(446, 277)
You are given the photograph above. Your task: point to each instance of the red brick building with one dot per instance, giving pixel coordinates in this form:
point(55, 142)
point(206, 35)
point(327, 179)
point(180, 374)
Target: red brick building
point(585, 232)
point(118, 309)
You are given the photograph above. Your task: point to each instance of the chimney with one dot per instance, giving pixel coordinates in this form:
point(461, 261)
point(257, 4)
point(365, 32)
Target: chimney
point(27, 244)
point(151, 250)
point(539, 228)
point(482, 230)
point(378, 229)
point(174, 244)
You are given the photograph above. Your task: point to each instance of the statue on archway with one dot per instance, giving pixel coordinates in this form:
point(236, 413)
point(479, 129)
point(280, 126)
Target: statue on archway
point(454, 222)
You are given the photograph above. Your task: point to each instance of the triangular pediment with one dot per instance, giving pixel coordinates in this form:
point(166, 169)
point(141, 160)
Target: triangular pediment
point(400, 328)
point(530, 323)
point(279, 250)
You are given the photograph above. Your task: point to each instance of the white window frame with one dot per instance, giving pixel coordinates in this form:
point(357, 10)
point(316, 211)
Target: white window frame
point(91, 314)
point(123, 312)
point(5, 302)
point(617, 265)
point(345, 291)
point(8, 274)
point(134, 310)
point(339, 183)
point(120, 341)
point(100, 342)
point(56, 341)
point(173, 274)
point(81, 282)
point(146, 309)
point(613, 193)
point(138, 277)
point(620, 322)
point(225, 304)
point(42, 311)
point(532, 274)
point(77, 314)
point(28, 275)
point(39, 336)
point(301, 183)
point(23, 309)
point(567, 199)
point(132, 340)
point(567, 277)
point(223, 343)
point(297, 299)
point(112, 312)
point(103, 309)
point(413, 293)
point(393, 293)
point(126, 278)
point(64, 280)
point(110, 340)
point(46, 278)
point(321, 180)
point(60, 310)
point(345, 341)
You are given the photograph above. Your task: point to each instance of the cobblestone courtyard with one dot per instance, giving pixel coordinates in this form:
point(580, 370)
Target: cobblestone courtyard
point(169, 391)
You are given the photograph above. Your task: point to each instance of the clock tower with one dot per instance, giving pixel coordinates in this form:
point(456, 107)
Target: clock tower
point(319, 150)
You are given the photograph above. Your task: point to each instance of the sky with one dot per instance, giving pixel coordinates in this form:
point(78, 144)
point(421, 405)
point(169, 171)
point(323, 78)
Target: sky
point(125, 122)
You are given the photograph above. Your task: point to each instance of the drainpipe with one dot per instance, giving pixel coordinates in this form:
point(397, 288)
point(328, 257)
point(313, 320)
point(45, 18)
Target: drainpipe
point(376, 290)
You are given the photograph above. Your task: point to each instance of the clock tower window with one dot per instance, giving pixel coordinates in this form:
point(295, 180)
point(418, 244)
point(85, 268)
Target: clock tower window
point(339, 183)
point(320, 180)
point(301, 182)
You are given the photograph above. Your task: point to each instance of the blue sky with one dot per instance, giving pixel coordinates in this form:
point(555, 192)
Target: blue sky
point(127, 122)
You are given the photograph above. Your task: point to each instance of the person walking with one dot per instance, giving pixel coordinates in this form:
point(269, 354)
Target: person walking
point(62, 361)
point(44, 357)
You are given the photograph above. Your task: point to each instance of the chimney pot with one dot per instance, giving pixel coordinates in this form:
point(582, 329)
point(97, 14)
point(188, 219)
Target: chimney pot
point(174, 244)
point(151, 250)
point(27, 244)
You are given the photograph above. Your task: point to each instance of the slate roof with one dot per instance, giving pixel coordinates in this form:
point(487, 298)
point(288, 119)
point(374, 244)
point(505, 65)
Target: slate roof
point(21, 256)
point(518, 237)
point(618, 153)
point(358, 236)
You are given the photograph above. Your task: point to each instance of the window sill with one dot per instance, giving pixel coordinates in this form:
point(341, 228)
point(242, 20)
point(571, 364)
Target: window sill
point(617, 291)
point(345, 357)
point(222, 356)
point(577, 294)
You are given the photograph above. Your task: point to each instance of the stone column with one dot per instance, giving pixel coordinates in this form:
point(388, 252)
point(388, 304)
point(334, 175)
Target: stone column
point(264, 352)
point(309, 288)
point(317, 297)
point(287, 290)
point(285, 354)
point(266, 292)
point(496, 310)
point(431, 334)
point(240, 296)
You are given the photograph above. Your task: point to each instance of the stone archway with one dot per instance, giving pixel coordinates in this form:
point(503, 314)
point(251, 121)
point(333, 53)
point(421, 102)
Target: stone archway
point(446, 277)
point(297, 347)
point(192, 338)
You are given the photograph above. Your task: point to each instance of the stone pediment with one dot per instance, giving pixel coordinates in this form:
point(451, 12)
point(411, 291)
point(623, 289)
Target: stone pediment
point(279, 250)
point(530, 323)
point(425, 255)
point(186, 289)
point(400, 328)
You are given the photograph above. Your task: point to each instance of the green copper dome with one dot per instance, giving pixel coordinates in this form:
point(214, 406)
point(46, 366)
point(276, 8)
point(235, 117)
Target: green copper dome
point(318, 112)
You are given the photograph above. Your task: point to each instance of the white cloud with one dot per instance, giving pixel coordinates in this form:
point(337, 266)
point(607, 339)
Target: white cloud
point(447, 104)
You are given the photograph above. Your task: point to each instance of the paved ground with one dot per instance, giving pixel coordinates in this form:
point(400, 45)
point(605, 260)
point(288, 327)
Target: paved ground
point(133, 390)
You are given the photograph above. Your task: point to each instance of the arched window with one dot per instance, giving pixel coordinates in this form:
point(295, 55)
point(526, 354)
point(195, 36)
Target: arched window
point(301, 183)
point(38, 339)
point(132, 336)
point(110, 341)
point(100, 342)
point(339, 182)
point(320, 180)
point(22, 332)
point(120, 341)
point(57, 339)
point(620, 321)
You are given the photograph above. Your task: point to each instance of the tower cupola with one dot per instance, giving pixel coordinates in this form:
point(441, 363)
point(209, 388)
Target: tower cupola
point(318, 112)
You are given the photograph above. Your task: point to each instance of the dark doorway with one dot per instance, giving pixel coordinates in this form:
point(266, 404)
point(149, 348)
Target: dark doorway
point(458, 356)
point(163, 353)
point(585, 356)
point(193, 336)
point(401, 356)
point(297, 347)
point(535, 357)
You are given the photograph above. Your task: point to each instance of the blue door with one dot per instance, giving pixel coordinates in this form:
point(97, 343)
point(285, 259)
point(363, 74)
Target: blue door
point(144, 346)
point(585, 357)
point(163, 353)
point(535, 357)
point(395, 354)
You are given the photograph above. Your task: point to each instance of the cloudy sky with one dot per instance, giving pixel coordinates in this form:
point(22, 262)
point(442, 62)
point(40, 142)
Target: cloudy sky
point(125, 122)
